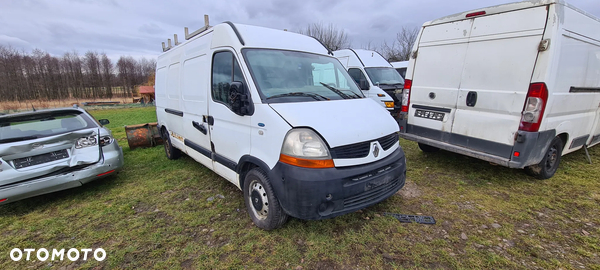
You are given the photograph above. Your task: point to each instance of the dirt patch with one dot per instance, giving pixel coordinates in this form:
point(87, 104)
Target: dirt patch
point(410, 190)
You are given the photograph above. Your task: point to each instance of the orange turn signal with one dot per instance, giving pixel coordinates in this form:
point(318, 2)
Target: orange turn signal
point(389, 104)
point(306, 163)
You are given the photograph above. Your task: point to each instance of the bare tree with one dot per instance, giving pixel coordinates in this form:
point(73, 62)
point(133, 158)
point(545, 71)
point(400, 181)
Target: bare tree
point(332, 37)
point(400, 49)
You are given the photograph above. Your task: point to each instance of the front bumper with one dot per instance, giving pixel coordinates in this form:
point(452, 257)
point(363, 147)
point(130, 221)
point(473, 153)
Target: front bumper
point(111, 160)
point(325, 193)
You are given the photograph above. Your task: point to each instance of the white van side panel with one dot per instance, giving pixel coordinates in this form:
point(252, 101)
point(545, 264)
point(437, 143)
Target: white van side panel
point(577, 52)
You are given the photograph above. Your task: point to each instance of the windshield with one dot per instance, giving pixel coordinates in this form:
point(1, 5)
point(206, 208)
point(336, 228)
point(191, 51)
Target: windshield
point(287, 76)
point(29, 127)
point(384, 75)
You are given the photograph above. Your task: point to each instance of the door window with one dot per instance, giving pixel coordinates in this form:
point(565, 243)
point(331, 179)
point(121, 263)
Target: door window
point(225, 70)
point(357, 75)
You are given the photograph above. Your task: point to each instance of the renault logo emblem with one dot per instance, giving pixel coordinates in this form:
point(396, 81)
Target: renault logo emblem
point(376, 151)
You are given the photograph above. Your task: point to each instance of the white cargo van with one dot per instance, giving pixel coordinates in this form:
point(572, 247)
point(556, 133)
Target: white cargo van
point(400, 67)
point(516, 84)
point(374, 75)
point(276, 115)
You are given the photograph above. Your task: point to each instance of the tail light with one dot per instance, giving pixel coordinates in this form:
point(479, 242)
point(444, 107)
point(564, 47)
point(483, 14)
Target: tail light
point(535, 104)
point(406, 95)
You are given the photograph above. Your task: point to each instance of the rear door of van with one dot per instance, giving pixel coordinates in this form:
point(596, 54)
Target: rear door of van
point(471, 79)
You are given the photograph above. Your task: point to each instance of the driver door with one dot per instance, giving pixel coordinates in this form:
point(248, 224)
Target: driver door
point(229, 132)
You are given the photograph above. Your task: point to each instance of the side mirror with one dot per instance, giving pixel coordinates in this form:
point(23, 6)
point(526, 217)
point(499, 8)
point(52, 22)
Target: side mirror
point(239, 99)
point(364, 85)
point(104, 122)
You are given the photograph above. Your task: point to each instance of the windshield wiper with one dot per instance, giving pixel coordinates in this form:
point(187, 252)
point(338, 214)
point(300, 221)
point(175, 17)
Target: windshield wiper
point(337, 91)
point(300, 94)
point(18, 139)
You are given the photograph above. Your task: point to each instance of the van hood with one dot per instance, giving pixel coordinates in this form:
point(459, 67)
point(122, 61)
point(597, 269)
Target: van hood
point(340, 122)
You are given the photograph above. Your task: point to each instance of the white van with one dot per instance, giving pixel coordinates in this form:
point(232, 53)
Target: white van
point(374, 75)
point(400, 67)
point(515, 84)
point(273, 113)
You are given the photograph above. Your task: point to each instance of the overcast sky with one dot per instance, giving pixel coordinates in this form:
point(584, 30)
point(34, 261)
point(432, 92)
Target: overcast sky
point(137, 27)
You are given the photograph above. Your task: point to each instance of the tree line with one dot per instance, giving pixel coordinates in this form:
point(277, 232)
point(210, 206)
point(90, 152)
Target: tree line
point(335, 39)
point(41, 76)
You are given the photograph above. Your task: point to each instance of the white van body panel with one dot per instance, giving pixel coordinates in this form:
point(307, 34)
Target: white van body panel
point(401, 64)
point(350, 59)
point(497, 56)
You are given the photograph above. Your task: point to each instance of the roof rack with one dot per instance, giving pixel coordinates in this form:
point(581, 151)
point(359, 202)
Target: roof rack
point(187, 35)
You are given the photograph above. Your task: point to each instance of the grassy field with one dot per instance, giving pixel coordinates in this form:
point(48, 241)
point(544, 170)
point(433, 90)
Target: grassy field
point(155, 214)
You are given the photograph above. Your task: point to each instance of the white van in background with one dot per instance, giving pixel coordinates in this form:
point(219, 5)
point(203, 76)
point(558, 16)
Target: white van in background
point(375, 76)
point(516, 84)
point(273, 113)
point(400, 67)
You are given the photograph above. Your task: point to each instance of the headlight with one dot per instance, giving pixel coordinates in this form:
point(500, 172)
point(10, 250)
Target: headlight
point(304, 148)
point(86, 142)
point(304, 143)
point(106, 140)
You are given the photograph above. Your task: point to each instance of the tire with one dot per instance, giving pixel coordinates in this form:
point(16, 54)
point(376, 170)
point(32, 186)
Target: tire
point(428, 148)
point(262, 204)
point(171, 152)
point(549, 164)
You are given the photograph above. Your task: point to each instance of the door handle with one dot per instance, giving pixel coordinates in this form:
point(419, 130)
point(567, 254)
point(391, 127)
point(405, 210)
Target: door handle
point(199, 127)
point(471, 98)
point(208, 119)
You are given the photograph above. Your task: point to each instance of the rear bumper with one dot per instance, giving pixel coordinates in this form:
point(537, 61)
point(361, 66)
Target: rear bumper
point(326, 193)
point(530, 145)
point(110, 163)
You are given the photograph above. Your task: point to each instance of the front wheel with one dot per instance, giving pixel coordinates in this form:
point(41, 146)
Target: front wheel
point(261, 203)
point(549, 164)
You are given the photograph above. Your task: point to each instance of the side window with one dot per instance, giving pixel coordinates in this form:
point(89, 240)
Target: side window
point(225, 69)
point(357, 75)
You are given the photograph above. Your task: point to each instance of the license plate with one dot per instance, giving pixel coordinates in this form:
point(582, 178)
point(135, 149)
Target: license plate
point(40, 159)
point(430, 115)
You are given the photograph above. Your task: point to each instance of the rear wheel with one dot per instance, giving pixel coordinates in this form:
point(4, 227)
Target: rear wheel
point(549, 164)
point(261, 203)
point(170, 151)
point(428, 148)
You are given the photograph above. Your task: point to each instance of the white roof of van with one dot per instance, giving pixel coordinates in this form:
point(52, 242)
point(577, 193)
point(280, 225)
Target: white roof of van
point(367, 57)
point(401, 64)
point(504, 8)
point(248, 36)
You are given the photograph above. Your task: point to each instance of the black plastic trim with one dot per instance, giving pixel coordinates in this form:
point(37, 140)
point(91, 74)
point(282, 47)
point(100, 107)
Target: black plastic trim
point(579, 141)
point(436, 109)
point(205, 152)
point(485, 146)
point(174, 112)
point(237, 33)
point(574, 89)
point(595, 139)
point(225, 161)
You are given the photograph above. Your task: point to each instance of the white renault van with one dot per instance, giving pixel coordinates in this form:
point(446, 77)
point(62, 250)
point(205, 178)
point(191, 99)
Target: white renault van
point(279, 117)
point(374, 75)
point(515, 84)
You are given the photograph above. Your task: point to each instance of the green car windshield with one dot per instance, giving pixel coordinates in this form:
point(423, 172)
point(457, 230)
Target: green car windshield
point(290, 76)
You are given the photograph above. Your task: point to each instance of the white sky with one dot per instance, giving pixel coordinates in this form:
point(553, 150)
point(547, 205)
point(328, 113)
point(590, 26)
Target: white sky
point(137, 27)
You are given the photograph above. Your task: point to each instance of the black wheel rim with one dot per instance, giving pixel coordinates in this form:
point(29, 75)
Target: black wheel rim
point(551, 157)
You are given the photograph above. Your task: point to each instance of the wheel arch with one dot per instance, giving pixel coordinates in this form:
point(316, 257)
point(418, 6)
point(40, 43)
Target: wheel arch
point(247, 163)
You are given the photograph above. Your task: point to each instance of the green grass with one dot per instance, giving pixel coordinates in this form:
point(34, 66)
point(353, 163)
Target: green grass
point(155, 214)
